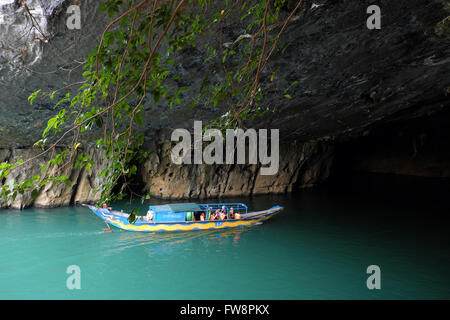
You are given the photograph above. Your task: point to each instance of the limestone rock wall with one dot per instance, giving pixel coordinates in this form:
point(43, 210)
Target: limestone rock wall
point(81, 190)
point(301, 165)
point(48, 56)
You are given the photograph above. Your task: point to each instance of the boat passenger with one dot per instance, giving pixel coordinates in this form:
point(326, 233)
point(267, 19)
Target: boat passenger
point(237, 215)
point(202, 217)
point(231, 213)
point(222, 215)
point(149, 216)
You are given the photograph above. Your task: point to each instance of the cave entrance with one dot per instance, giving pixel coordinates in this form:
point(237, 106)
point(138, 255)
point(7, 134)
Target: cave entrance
point(402, 154)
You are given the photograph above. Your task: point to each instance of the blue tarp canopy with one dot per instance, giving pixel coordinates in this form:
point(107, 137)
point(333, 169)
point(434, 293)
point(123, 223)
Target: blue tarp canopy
point(176, 207)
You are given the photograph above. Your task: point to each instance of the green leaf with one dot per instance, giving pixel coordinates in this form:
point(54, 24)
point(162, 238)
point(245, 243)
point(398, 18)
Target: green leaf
point(50, 125)
point(33, 96)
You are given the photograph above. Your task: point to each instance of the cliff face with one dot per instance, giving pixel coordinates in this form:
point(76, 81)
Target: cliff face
point(47, 57)
point(81, 190)
point(349, 82)
point(301, 165)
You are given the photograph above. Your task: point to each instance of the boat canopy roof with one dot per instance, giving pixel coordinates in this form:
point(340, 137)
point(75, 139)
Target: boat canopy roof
point(176, 207)
point(192, 207)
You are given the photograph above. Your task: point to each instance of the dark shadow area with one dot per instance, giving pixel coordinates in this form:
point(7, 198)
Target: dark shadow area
point(405, 166)
point(419, 147)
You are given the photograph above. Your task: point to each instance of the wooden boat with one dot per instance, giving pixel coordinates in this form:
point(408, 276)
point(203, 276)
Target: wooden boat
point(185, 216)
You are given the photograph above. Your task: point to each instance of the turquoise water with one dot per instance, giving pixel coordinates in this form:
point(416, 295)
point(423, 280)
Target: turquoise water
point(318, 248)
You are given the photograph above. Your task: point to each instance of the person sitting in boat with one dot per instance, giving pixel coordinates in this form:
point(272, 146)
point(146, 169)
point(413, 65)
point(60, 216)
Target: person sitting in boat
point(226, 213)
point(237, 215)
point(149, 216)
point(231, 213)
point(223, 213)
point(213, 216)
point(202, 216)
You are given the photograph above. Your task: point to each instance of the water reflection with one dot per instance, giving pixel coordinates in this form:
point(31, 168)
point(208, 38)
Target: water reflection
point(161, 242)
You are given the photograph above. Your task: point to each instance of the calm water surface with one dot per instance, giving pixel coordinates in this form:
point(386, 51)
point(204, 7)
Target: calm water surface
point(318, 248)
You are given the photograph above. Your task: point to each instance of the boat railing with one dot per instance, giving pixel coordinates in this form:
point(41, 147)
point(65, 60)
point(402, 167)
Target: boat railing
point(237, 207)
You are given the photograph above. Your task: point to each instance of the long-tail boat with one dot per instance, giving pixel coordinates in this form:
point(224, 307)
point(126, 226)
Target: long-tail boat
point(186, 216)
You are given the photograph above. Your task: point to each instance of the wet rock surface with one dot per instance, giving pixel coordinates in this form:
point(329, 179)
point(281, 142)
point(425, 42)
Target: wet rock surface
point(300, 165)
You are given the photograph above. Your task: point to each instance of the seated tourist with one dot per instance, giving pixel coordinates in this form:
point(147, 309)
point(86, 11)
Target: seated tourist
point(197, 216)
point(231, 213)
point(237, 215)
point(202, 216)
point(224, 212)
point(149, 216)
